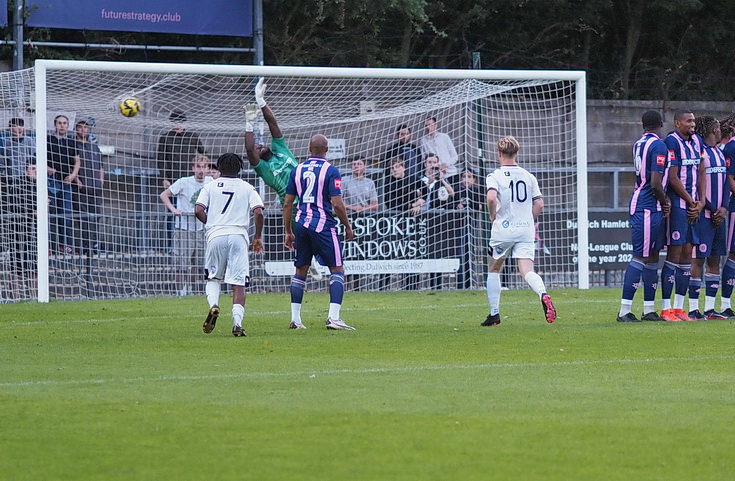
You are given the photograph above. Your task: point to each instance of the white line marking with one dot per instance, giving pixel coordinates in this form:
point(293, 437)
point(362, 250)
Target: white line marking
point(330, 372)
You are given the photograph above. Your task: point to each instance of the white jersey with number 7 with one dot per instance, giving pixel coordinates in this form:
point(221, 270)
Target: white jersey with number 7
point(517, 188)
point(228, 202)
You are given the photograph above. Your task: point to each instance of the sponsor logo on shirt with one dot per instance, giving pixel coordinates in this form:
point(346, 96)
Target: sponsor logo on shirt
point(661, 159)
point(727, 161)
point(337, 183)
point(715, 170)
point(672, 155)
point(690, 161)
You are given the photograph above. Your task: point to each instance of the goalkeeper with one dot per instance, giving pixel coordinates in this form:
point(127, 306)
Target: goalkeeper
point(274, 164)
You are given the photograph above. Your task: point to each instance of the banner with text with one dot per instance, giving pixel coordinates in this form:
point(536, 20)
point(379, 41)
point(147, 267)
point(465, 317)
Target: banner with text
point(215, 17)
point(387, 243)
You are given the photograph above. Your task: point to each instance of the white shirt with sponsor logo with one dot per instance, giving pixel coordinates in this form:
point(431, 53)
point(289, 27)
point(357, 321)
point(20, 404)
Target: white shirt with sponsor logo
point(516, 188)
point(186, 191)
point(228, 202)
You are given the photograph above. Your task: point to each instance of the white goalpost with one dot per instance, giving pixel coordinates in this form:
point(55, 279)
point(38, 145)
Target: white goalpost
point(108, 234)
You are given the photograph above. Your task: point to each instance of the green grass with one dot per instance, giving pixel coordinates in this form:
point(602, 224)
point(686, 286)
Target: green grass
point(133, 390)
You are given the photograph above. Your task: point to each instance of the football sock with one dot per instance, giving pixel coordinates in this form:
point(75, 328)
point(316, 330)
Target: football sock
point(493, 292)
point(631, 279)
point(536, 283)
point(695, 285)
point(212, 290)
point(238, 312)
point(667, 283)
point(682, 274)
point(650, 281)
point(728, 281)
point(336, 288)
point(298, 284)
point(712, 285)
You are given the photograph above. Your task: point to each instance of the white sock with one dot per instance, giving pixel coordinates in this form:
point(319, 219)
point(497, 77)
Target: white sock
point(537, 284)
point(693, 303)
point(625, 307)
point(678, 301)
point(296, 313)
point(724, 304)
point(648, 306)
point(665, 304)
point(709, 303)
point(212, 289)
point(493, 292)
point(238, 312)
point(334, 310)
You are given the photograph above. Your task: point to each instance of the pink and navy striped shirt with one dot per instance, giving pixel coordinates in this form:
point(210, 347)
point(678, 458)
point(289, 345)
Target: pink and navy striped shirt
point(649, 155)
point(686, 155)
point(315, 182)
point(718, 188)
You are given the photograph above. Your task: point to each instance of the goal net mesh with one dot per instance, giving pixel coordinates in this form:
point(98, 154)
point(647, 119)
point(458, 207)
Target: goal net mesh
point(111, 235)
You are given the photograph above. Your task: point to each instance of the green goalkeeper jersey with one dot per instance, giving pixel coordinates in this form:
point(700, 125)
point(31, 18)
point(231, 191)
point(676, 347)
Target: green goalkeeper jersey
point(276, 171)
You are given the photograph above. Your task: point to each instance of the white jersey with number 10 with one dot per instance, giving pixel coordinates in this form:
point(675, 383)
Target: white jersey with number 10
point(517, 188)
point(228, 202)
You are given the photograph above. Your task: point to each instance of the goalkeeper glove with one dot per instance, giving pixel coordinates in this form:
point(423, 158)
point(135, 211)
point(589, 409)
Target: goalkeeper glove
point(259, 92)
point(251, 115)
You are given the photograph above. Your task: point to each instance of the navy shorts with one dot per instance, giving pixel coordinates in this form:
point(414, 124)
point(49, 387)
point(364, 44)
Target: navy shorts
point(326, 245)
point(679, 231)
point(648, 232)
point(712, 240)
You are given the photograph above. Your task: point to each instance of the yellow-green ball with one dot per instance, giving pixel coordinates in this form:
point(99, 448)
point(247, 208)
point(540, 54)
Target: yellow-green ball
point(130, 107)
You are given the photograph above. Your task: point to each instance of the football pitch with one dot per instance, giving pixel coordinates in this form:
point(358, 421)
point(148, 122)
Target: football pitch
point(133, 390)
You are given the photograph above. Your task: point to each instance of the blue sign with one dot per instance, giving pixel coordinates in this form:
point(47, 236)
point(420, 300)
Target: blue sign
point(213, 17)
point(3, 12)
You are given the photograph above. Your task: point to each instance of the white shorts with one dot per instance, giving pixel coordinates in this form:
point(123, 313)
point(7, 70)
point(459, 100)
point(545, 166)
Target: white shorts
point(226, 258)
point(516, 250)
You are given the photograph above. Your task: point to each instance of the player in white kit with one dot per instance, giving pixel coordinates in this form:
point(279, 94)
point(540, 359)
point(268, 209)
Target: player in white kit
point(514, 202)
point(224, 206)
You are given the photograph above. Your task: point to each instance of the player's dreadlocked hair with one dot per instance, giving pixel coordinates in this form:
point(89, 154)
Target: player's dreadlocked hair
point(705, 124)
point(727, 126)
point(229, 164)
point(508, 145)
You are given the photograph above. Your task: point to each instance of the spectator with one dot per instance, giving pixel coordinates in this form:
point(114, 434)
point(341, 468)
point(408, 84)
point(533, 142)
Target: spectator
point(408, 152)
point(23, 247)
point(91, 180)
point(64, 165)
point(469, 194)
point(213, 171)
point(441, 144)
point(399, 190)
point(436, 191)
point(469, 198)
point(359, 191)
point(18, 148)
point(400, 194)
point(176, 148)
point(188, 233)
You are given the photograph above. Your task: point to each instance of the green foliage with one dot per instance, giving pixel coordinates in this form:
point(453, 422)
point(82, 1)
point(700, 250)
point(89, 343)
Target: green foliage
point(132, 389)
point(666, 50)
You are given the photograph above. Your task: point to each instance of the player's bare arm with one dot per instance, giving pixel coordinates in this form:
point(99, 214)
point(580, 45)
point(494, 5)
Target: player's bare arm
point(201, 213)
point(166, 196)
point(257, 238)
point(341, 212)
point(492, 203)
point(537, 207)
point(288, 238)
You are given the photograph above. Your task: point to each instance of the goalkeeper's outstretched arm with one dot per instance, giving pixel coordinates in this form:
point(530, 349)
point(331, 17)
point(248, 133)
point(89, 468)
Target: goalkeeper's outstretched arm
point(268, 115)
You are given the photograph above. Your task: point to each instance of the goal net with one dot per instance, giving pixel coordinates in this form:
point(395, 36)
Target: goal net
point(413, 146)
